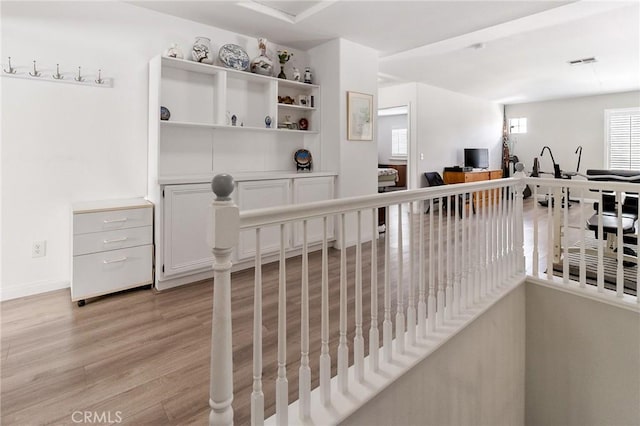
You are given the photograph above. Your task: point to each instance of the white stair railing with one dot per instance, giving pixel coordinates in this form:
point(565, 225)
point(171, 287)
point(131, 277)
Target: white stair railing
point(443, 276)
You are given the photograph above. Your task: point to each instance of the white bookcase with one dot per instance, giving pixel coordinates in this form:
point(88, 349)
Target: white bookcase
point(199, 141)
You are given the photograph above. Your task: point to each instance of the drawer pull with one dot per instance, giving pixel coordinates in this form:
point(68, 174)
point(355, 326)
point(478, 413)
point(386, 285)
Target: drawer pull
point(115, 220)
point(116, 240)
point(106, 262)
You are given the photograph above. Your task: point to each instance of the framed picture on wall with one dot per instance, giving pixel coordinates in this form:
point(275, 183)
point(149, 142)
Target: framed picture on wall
point(359, 116)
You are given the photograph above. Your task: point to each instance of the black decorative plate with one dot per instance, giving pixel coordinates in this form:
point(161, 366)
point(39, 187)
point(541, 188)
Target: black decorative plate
point(302, 158)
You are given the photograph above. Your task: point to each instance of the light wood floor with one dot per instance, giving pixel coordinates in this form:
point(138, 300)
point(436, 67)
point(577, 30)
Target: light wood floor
point(146, 355)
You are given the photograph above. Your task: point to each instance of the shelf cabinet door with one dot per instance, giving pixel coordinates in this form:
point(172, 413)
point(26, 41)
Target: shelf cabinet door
point(185, 224)
point(308, 190)
point(261, 194)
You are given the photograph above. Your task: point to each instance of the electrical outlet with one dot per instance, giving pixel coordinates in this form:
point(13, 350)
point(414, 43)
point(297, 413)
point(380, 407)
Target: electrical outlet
point(39, 249)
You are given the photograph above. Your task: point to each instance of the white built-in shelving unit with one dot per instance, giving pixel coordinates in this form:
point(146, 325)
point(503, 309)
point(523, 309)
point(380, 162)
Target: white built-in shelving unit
point(199, 141)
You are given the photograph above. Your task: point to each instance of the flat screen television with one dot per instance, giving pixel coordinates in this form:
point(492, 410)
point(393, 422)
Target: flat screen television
point(477, 158)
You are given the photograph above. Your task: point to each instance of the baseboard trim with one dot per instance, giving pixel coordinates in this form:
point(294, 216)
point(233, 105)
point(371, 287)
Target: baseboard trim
point(29, 289)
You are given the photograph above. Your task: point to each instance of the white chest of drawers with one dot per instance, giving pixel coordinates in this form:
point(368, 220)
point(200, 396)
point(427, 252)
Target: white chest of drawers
point(112, 247)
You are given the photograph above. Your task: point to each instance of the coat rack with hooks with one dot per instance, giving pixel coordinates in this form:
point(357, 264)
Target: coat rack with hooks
point(35, 72)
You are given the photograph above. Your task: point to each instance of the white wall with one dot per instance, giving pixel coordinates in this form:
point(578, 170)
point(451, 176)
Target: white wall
point(476, 378)
point(583, 360)
point(446, 122)
point(565, 124)
point(346, 66)
point(63, 143)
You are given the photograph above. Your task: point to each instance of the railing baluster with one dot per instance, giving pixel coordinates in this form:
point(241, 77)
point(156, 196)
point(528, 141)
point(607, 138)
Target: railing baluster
point(343, 346)
point(463, 252)
point(503, 234)
point(411, 307)
point(456, 255)
point(422, 306)
point(564, 237)
point(484, 250)
point(477, 256)
point(304, 375)
point(358, 340)
point(400, 301)
point(282, 385)
point(601, 241)
point(448, 310)
point(583, 263)
point(257, 396)
point(325, 357)
point(620, 248)
point(638, 254)
point(535, 256)
point(440, 297)
point(374, 338)
point(519, 224)
point(510, 227)
point(431, 297)
point(550, 226)
point(387, 326)
point(493, 234)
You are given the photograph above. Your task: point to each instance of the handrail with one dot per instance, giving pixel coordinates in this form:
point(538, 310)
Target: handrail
point(292, 213)
point(585, 184)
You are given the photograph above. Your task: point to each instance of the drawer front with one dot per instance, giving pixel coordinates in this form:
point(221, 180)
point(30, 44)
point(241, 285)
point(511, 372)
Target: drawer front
point(106, 272)
point(111, 220)
point(111, 240)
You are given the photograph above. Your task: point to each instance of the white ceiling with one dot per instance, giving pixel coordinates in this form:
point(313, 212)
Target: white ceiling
point(525, 44)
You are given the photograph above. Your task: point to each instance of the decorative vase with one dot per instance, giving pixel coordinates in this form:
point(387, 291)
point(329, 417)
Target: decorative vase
point(262, 64)
point(307, 75)
point(201, 51)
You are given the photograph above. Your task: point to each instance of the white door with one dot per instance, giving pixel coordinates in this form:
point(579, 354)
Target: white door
point(257, 195)
point(308, 190)
point(185, 246)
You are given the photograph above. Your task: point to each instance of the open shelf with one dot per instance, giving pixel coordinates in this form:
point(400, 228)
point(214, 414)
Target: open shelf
point(227, 127)
point(292, 106)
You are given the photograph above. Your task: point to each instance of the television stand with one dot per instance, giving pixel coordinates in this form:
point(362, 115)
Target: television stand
point(474, 176)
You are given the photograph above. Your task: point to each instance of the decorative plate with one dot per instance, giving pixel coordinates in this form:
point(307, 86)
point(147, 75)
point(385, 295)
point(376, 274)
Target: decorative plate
point(303, 159)
point(165, 114)
point(233, 56)
point(303, 124)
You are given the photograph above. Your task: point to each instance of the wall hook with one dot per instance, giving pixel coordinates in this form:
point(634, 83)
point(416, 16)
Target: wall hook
point(57, 75)
point(35, 72)
point(79, 78)
point(99, 80)
point(11, 70)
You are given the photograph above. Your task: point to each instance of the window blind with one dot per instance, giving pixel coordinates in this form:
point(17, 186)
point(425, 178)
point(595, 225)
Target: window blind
point(399, 142)
point(623, 138)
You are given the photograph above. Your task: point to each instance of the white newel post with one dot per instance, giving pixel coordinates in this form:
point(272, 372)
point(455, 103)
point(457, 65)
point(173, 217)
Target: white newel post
point(222, 236)
point(519, 234)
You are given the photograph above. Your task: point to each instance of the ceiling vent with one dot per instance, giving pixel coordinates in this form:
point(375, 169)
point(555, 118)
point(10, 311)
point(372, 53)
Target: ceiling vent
point(583, 61)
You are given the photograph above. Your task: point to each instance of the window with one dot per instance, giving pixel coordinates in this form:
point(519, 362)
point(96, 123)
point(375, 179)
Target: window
point(622, 138)
point(398, 142)
point(518, 125)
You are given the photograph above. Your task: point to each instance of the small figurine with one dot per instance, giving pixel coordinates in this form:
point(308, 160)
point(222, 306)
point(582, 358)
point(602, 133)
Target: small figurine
point(174, 52)
point(296, 74)
point(307, 75)
point(233, 120)
point(267, 122)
